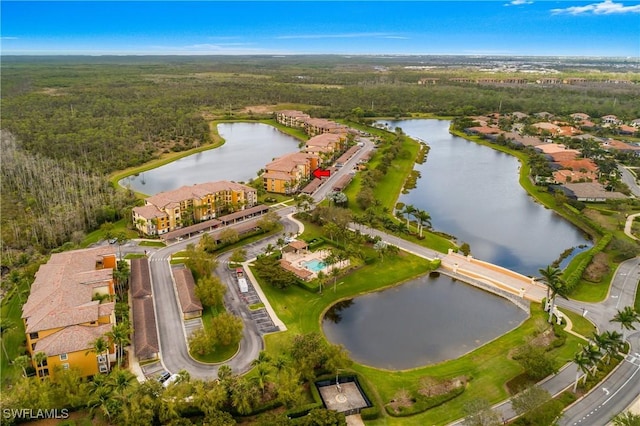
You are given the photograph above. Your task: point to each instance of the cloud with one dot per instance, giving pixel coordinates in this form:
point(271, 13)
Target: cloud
point(518, 2)
point(607, 7)
point(8, 38)
point(344, 35)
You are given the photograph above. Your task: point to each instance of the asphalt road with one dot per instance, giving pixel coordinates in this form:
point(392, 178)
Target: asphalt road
point(622, 386)
point(612, 396)
point(172, 336)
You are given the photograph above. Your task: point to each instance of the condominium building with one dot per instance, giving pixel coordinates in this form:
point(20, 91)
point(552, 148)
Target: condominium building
point(285, 174)
point(291, 118)
point(70, 306)
point(187, 205)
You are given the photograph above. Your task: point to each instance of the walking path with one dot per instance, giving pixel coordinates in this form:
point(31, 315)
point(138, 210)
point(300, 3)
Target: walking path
point(628, 224)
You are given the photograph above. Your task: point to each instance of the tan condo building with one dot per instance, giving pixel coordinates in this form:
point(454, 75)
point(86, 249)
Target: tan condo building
point(187, 205)
point(284, 175)
point(70, 306)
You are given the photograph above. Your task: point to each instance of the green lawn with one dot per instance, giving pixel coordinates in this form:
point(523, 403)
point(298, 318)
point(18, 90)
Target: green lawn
point(13, 339)
point(581, 325)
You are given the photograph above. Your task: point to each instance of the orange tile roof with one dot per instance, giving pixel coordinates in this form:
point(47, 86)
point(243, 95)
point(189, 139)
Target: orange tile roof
point(288, 162)
point(171, 199)
point(185, 285)
point(71, 339)
point(62, 291)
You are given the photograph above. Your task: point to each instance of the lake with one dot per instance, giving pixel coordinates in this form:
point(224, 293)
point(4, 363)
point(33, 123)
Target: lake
point(421, 322)
point(248, 148)
point(472, 192)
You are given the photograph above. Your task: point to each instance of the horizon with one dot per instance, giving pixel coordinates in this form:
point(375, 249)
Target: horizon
point(494, 28)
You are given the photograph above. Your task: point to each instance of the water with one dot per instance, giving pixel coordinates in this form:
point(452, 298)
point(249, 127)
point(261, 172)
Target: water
point(314, 265)
point(424, 321)
point(248, 148)
point(472, 192)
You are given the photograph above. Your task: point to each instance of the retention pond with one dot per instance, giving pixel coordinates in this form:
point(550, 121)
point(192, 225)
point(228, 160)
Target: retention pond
point(421, 322)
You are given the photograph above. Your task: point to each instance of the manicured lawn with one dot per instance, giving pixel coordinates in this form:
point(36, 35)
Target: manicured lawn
point(489, 368)
point(152, 244)
point(99, 234)
point(13, 338)
point(581, 325)
point(302, 310)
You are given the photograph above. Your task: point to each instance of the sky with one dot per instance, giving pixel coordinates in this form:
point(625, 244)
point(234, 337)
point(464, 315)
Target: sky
point(492, 27)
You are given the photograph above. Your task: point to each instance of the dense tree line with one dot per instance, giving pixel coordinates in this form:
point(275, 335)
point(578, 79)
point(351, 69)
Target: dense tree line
point(119, 399)
point(109, 116)
point(47, 202)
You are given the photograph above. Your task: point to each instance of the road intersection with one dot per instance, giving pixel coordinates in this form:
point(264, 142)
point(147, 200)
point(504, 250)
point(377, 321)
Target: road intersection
point(622, 386)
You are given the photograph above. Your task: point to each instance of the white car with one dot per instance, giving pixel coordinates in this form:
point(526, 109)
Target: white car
point(170, 380)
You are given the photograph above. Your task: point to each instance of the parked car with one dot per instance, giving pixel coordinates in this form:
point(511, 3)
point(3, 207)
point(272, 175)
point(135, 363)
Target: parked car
point(164, 376)
point(170, 380)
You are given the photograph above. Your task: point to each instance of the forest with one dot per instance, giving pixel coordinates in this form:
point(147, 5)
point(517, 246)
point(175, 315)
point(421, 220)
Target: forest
point(73, 120)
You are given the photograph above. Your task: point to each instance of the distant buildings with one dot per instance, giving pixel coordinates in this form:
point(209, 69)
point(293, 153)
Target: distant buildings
point(70, 306)
point(187, 205)
point(292, 172)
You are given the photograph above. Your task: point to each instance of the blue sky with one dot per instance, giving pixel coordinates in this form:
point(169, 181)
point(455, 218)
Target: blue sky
point(509, 27)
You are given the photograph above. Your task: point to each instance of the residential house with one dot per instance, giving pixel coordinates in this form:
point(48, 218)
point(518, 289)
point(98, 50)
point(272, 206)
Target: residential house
point(284, 175)
point(69, 307)
point(610, 119)
point(184, 206)
point(590, 192)
point(580, 116)
point(544, 127)
point(619, 146)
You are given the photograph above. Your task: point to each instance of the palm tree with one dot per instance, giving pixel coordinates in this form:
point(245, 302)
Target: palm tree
point(626, 317)
point(615, 343)
point(262, 376)
point(321, 277)
point(582, 363)
point(409, 210)
point(6, 326)
point(40, 358)
point(593, 354)
point(423, 219)
point(100, 346)
point(23, 362)
point(119, 335)
point(549, 274)
point(626, 419)
point(263, 358)
point(555, 287)
point(335, 273)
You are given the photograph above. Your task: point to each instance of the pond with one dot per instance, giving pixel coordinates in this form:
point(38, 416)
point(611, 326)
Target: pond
point(473, 193)
point(421, 322)
point(248, 148)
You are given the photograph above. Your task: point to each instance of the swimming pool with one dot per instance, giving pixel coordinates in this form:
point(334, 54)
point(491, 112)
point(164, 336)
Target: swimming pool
point(314, 265)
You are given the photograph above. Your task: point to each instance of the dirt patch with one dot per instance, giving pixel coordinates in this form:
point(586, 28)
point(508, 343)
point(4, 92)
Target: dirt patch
point(433, 387)
point(259, 109)
point(402, 399)
point(52, 91)
point(597, 269)
point(543, 339)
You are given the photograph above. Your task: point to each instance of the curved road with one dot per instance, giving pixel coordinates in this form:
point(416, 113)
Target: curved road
point(620, 388)
point(171, 333)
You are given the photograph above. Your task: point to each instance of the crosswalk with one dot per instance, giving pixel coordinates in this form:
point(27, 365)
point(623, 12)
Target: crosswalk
point(633, 359)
